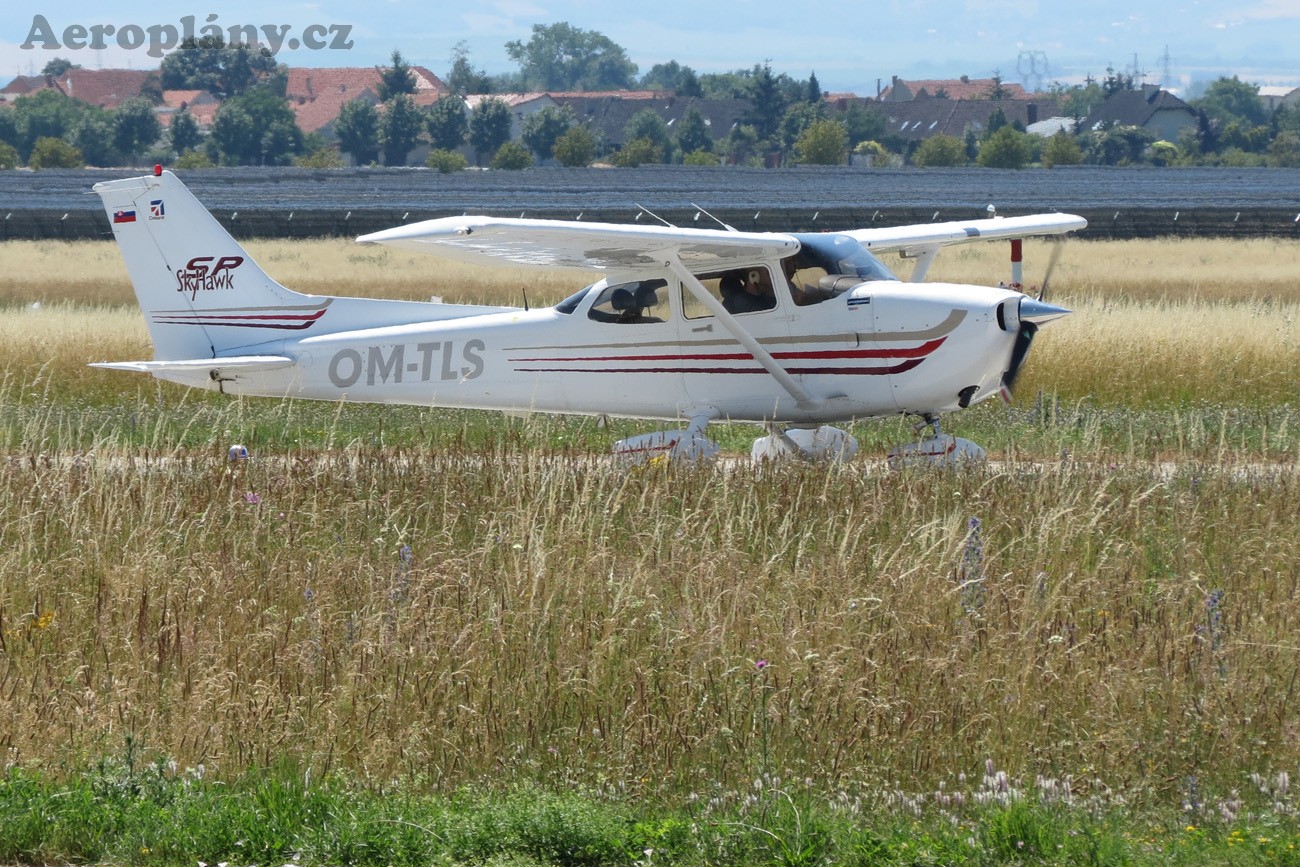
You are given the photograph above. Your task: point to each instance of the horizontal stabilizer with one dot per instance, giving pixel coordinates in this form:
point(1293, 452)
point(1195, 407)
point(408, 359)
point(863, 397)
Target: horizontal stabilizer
point(213, 367)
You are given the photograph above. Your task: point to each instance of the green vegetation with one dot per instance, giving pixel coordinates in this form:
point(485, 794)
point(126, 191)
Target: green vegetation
point(542, 130)
point(357, 128)
point(822, 143)
point(130, 810)
point(561, 57)
point(941, 151)
point(54, 153)
point(400, 126)
point(512, 156)
point(447, 123)
point(255, 126)
point(446, 161)
point(637, 152)
point(577, 147)
point(489, 127)
point(321, 158)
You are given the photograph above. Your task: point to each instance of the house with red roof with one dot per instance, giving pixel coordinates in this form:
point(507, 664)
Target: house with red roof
point(201, 105)
point(949, 88)
point(318, 95)
point(106, 88)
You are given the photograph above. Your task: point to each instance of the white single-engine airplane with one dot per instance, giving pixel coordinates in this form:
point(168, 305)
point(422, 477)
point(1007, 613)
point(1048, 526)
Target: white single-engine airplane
point(789, 331)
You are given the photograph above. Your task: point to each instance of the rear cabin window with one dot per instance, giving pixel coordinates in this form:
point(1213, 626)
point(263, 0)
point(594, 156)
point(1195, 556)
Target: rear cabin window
point(644, 301)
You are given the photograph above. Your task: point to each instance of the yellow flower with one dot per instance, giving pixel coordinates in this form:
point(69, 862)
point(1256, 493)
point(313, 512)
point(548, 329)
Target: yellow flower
point(44, 621)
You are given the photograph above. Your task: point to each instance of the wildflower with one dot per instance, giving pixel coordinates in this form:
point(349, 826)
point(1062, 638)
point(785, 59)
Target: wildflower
point(252, 498)
point(760, 664)
point(406, 554)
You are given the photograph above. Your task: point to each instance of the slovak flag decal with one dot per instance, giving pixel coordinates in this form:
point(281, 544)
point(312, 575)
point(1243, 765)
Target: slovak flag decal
point(156, 209)
point(124, 216)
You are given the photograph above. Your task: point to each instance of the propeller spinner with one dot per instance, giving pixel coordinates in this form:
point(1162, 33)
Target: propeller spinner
point(1029, 314)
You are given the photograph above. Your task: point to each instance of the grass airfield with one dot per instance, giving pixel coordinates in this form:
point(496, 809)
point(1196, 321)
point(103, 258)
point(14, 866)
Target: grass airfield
point(399, 635)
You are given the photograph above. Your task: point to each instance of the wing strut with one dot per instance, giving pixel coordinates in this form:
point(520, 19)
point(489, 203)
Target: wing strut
point(924, 258)
point(802, 398)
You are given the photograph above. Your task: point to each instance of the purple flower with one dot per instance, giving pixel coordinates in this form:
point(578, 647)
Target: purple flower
point(252, 498)
point(761, 664)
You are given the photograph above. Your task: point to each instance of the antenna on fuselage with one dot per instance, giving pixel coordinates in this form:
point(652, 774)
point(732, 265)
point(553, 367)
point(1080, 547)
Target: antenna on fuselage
point(645, 210)
point(727, 226)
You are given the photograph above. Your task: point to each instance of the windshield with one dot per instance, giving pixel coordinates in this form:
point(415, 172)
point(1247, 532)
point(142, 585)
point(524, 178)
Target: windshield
point(840, 255)
point(570, 304)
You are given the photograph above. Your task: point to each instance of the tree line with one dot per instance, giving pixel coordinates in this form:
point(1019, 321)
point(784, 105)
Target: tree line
point(786, 121)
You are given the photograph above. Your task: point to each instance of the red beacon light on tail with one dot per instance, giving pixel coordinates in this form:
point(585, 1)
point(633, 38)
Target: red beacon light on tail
point(157, 170)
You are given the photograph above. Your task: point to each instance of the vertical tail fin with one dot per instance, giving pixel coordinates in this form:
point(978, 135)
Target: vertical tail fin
point(201, 293)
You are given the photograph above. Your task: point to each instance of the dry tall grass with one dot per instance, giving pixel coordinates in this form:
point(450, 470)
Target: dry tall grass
point(458, 616)
point(1168, 270)
point(92, 272)
point(1171, 270)
point(1111, 351)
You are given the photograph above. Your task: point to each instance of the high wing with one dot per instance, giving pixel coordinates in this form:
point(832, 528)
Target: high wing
point(599, 246)
point(916, 239)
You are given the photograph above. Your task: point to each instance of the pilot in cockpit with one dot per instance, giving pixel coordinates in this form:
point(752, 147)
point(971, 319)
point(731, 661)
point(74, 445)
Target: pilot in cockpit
point(747, 291)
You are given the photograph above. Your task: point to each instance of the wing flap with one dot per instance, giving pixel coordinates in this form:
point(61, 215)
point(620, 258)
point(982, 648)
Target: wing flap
point(602, 246)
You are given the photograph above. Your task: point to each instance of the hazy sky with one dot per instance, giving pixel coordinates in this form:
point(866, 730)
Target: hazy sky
point(849, 48)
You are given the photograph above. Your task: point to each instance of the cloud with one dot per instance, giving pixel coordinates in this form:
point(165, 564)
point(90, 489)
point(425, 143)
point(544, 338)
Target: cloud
point(1270, 10)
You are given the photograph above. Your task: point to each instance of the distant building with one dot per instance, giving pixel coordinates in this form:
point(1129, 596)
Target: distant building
point(966, 88)
point(1273, 98)
point(521, 105)
point(921, 118)
point(1157, 111)
point(318, 95)
point(106, 88)
point(201, 105)
point(607, 114)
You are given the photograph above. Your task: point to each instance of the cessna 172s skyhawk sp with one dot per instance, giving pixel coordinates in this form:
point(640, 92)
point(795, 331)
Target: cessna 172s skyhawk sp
point(790, 331)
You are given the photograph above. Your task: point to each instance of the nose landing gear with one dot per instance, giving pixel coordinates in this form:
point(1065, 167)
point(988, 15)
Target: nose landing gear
point(938, 449)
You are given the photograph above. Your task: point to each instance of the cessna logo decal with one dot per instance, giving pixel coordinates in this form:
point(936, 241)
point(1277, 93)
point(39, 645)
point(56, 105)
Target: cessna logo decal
point(440, 361)
point(199, 275)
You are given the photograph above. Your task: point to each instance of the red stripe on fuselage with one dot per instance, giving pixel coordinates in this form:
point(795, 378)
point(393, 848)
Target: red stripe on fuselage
point(828, 354)
point(862, 371)
point(292, 322)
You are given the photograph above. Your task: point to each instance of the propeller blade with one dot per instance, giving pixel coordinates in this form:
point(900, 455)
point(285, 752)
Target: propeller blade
point(1024, 339)
point(1055, 257)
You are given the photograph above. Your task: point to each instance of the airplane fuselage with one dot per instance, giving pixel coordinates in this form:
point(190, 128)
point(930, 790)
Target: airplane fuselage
point(881, 349)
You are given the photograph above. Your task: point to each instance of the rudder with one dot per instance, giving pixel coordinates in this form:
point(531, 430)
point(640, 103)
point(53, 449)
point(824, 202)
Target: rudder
point(202, 295)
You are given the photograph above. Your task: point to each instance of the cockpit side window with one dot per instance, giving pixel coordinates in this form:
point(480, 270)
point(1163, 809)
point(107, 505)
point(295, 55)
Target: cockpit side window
point(640, 302)
point(739, 290)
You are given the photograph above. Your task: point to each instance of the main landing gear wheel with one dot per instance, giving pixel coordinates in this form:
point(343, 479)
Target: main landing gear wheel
point(937, 450)
point(825, 443)
point(686, 446)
